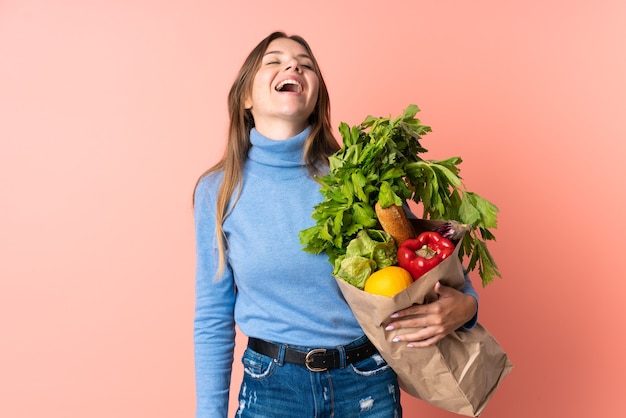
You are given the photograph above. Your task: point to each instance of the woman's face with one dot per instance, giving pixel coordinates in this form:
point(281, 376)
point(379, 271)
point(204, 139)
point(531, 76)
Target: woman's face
point(284, 89)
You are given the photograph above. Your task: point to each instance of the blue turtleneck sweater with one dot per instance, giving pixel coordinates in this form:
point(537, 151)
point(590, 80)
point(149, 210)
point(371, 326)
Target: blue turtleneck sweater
point(271, 288)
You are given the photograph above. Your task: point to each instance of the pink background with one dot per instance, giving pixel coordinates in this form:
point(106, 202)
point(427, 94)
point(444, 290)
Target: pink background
point(110, 109)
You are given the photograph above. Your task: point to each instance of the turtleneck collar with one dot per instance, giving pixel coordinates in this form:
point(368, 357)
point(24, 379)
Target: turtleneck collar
point(278, 153)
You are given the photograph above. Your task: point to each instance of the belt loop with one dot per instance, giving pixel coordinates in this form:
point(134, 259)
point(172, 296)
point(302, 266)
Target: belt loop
point(280, 357)
point(342, 356)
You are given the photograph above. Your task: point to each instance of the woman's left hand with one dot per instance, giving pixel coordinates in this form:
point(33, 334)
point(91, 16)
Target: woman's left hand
point(434, 320)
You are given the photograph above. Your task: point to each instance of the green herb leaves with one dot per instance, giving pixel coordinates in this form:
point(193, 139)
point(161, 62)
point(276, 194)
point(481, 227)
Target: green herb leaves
point(380, 161)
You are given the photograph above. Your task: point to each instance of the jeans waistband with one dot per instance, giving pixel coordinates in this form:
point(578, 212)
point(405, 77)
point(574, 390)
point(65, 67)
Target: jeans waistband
point(316, 359)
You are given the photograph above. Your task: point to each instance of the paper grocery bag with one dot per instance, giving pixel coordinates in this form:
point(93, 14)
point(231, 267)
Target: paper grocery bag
point(461, 372)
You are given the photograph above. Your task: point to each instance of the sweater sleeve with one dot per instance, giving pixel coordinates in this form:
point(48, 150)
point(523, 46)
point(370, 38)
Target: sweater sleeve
point(468, 289)
point(214, 325)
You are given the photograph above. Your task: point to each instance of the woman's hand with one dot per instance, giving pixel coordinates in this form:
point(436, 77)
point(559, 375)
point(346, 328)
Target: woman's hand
point(435, 320)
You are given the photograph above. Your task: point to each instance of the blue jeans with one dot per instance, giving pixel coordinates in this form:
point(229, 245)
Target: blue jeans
point(276, 389)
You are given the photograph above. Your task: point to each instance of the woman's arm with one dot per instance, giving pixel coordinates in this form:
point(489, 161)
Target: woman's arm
point(453, 309)
point(214, 327)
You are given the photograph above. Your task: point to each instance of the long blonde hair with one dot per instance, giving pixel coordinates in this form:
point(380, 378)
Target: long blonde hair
point(320, 143)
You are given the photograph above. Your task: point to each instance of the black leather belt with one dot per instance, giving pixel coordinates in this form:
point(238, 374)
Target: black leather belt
point(316, 360)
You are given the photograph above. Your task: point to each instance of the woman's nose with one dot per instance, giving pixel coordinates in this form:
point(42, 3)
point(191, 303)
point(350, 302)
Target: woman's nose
point(293, 65)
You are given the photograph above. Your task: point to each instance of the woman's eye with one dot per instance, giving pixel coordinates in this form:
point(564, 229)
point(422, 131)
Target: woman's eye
point(307, 66)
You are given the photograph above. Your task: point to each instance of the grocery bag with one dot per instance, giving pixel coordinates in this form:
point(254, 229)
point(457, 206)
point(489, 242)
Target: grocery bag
point(461, 372)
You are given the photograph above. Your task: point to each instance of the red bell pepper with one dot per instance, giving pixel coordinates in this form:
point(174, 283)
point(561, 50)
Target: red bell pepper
point(421, 254)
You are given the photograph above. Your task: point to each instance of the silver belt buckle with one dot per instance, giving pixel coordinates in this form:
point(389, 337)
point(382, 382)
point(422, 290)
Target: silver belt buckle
point(308, 360)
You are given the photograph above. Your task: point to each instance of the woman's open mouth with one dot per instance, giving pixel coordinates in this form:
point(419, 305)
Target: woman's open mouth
point(289, 85)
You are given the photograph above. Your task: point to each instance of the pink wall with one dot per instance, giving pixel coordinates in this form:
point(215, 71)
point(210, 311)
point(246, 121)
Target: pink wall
point(109, 110)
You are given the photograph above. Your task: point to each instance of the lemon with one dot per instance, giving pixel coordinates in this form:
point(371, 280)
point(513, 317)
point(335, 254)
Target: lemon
point(388, 281)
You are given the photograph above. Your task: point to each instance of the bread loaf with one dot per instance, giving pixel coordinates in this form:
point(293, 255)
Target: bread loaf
point(394, 221)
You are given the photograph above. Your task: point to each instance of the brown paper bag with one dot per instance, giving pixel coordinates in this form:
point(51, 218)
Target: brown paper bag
point(461, 372)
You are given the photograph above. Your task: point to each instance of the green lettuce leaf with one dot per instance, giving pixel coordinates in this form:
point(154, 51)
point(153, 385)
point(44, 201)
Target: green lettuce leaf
point(371, 250)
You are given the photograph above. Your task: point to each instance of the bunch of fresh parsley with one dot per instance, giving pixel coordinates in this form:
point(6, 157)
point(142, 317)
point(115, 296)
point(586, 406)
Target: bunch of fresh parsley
point(380, 161)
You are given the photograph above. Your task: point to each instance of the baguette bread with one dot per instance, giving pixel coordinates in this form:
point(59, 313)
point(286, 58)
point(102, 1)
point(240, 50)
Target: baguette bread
point(394, 221)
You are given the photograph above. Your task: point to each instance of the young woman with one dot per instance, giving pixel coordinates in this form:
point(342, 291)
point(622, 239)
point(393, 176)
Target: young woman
point(307, 356)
